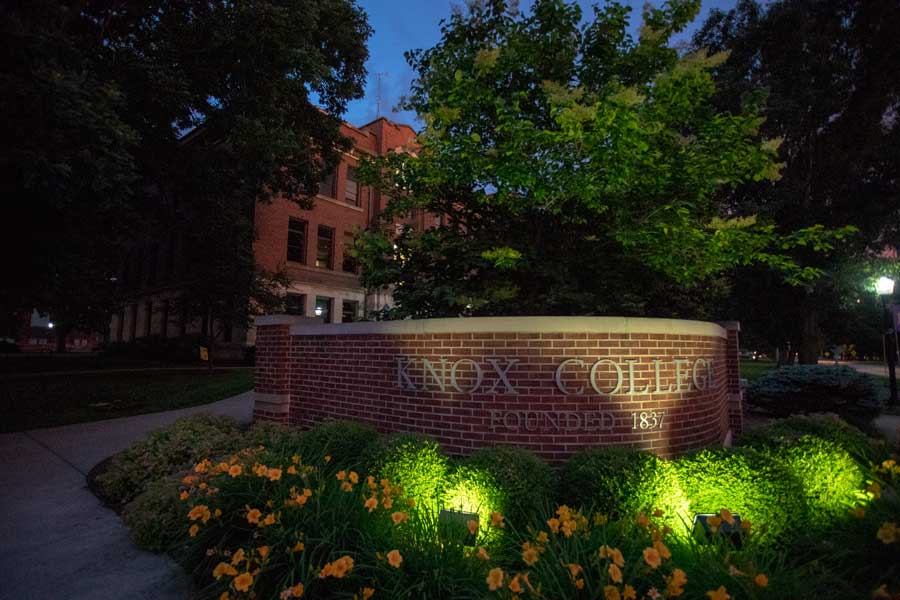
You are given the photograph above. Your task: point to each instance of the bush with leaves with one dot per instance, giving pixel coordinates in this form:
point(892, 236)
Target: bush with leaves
point(155, 516)
point(414, 462)
point(621, 481)
point(165, 452)
point(805, 389)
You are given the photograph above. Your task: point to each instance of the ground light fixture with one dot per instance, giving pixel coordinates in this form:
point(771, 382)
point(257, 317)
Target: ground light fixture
point(456, 523)
point(884, 287)
point(731, 532)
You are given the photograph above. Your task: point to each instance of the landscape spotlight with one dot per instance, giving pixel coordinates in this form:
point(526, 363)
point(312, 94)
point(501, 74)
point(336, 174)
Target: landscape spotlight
point(457, 522)
point(884, 286)
point(702, 529)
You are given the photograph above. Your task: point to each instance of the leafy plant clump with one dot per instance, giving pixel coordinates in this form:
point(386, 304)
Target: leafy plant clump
point(808, 389)
point(165, 452)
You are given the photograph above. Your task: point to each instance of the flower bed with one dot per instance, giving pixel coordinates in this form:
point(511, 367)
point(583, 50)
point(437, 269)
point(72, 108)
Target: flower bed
point(792, 514)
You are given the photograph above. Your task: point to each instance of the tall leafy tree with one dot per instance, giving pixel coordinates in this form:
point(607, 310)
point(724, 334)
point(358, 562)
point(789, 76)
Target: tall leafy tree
point(122, 116)
point(575, 170)
point(824, 74)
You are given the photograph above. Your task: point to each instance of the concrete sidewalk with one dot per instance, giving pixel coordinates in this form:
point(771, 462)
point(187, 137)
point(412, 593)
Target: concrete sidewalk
point(59, 541)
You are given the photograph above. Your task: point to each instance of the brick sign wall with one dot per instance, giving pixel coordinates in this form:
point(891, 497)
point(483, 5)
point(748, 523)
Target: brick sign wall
point(550, 384)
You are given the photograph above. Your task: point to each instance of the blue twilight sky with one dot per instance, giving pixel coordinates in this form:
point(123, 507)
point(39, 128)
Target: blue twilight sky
point(402, 25)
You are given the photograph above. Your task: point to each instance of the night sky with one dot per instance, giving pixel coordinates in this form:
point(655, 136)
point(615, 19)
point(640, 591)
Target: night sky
point(401, 25)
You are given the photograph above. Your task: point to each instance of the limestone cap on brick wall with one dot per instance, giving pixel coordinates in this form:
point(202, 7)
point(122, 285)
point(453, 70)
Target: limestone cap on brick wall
point(617, 325)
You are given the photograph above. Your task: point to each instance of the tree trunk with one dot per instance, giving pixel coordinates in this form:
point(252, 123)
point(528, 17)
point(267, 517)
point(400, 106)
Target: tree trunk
point(808, 351)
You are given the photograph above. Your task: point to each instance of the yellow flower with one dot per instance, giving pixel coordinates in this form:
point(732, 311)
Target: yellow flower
point(719, 594)
point(725, 514)
point(235, 470)
point(338, 568)
point(497, 520)
point(887, 533)
point(399, 517)
point(642, 520)
point(651, 557)
point(238, 557)
point(745, 525)
point(243, 582)
point(354, 477)
point(184, 495)
point(600, 519)
point(514, 585)
point(253, 516)
point(579, 583)
point(542, 537)
point(611, 592)
point(292, 470)
point(347, 486)
point(200, 511)
point(553, 524)
point(394, 558)
point(574, 569)
point(327, 458)
point(482, 553)
point(225, 596)
point(193, 530)
point(189, 479)
point(858, 511)
point(299, 547)
point(269, 520)
point(368, 593)
point(615, 573)
point(629, 593)
point(263, 551)
point(529, 554)
point(662, 549)
point(341, 475)
point(410, 502)
point(218, 513)
point(657, 513)
point(713, 523)
point(223, 568)
point(472, 524)
point(371, 503)
point(387, 502)
point(676, 582)
point(295, 591)
point(761, 580)
point(495, 579)
point(370, 482)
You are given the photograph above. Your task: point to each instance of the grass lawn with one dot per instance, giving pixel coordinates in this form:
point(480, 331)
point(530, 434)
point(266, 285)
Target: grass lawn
point(45, 401)
point(754, 369)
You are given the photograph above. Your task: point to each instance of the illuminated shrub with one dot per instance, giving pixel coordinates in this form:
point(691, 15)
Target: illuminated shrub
point(813, 388)
point(752, 483)
point(526, 483)
point(347, 443)
point(414, 463)
point(863, 449)
point(621, 481)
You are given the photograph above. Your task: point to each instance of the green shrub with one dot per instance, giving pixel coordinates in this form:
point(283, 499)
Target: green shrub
point(619, 482)
point(165, 452)
point(347, 443)
point(749, 482)
point(804, 389)
point(274, 436)
point(156, 516)
point(863, 449)
point(507, 480)
point(413, 462)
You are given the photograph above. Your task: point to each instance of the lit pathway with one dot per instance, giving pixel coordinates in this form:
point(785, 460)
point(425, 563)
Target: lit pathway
point(58, 540)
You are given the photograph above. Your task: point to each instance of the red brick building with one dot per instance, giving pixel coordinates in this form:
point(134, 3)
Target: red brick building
point(311, 244)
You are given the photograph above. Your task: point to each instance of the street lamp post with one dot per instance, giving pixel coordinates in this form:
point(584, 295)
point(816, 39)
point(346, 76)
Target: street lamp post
point(884, 287)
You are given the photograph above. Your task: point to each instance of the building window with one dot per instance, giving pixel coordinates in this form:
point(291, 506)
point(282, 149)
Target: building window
point(327, 187)
point(349, 311)
point(325, 248)
point(295, 304)
point(351, 187)
point(323, 308)
point(296, 250)
point(349, 263)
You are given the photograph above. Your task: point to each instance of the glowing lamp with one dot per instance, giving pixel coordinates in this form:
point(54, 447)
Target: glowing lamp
point(884, 286)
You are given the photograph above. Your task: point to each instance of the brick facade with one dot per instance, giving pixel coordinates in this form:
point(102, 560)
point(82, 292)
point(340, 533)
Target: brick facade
point(543, 383)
